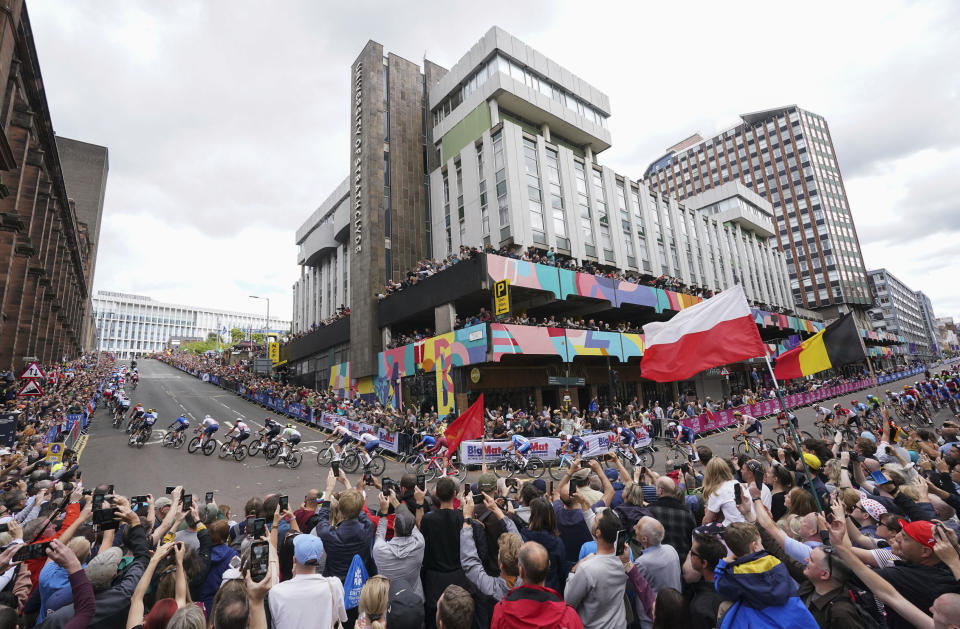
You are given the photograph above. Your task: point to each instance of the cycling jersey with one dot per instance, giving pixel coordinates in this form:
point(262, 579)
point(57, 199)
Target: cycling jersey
point(687, 434)
point(290, 433)
point(429, 441)
point(627, 436)
point(366, 437)
point(273, 428)
point(182, 423)
point(149, 419)
point(341, 430)
point(520, 443)
point(577, 445)
point(751, 424)
point(209, 425)
point(861, 408)
point(241, 428)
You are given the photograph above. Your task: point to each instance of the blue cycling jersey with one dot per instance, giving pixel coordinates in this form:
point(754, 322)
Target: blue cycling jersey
point(519, 440)
point(429, 441)
point(182, 421)
point(576, 444)
point(688, 432)
point(627, 436)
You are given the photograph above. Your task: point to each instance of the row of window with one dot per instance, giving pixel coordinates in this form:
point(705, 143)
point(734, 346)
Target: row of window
point(504, 65)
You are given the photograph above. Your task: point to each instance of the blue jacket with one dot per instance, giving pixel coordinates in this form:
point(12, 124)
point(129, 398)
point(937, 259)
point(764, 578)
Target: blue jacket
point(764, 594)
point(220, 556)
point(349, 538)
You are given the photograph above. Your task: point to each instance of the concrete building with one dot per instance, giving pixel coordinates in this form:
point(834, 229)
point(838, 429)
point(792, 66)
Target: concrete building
point(508, 144)
point(85, 167)
point(929, 323)
point(947, 334)
point(131, 326)
point(787, 156)
point(45, 250)
point(897, 310)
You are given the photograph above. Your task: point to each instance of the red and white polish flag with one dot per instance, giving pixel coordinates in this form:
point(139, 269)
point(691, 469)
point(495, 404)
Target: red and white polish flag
point(715, 332)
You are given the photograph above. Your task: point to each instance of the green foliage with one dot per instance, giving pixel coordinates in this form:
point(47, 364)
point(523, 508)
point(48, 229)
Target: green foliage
point(199, 347)
point(212, 337)
point(236, 334)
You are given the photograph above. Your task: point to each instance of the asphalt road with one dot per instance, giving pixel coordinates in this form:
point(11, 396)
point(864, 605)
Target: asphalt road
point(108, 459)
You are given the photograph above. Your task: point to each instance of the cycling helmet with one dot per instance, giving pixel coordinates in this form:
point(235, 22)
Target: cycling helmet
point(836, 406)
point(889, 391)
point(854, 402)
point(737, 414)
point(781, 414)
point(239, 420)
point(289, 425)
point(207, 417)
point(906, 386)
point(672, 425)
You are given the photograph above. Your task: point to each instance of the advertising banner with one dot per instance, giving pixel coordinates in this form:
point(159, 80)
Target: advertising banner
point(388, 440)
point(474, 452)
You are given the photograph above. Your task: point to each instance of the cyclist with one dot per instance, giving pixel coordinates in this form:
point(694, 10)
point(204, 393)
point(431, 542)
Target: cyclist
point(149, 419)
point(179, 424)
point(135, 378)
point(370, 443)
point(844, 416)
point(427, 445)
point(242, 433)
point(520, 445)
point(860, 409)
point(290, 436)
point(685, 434)
point(626, 437)
point(135, 424)
point(138, 412)
point(339, 432)
point(273, 429)
point(892, 397)
point(783, 416)
point(123, 403)
point(748, 424)
point(574, 445)
point(209, 426)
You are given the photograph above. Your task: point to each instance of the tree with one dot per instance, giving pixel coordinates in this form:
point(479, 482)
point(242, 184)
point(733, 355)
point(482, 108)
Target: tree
point(258, 337)
point(236, 334)
point(212, 337)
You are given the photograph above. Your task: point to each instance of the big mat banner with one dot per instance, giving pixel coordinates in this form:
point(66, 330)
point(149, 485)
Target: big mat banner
point(474, 452)
point(388, 440)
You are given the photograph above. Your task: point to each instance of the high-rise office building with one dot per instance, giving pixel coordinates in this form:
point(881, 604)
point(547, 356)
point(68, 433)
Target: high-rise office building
point(929, 322)
point(898, 310)
point(787, 156)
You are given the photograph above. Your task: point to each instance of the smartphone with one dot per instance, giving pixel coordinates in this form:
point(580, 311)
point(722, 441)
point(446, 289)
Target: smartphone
point(387, 485)
point(249, 526)
point(259, 559)
point(109, 490)
point(573, 487)
point(367, 478)
point(187, 501)
point(477, 499)
point(170, 489)
point(97, 501)
point(621, 541)
point(208, 498)
point(422, 482)
point(259, 528)
point(284, 503)
point(551, 488)
point(738, 493)
point(733, 451)
point(31, 551)
point(141, 505)
point(104, 518)
point(4, 528)
point(335, 466)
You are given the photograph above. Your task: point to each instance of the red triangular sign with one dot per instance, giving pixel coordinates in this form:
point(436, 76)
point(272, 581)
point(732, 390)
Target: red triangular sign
point(30, 389)
point(31, 372)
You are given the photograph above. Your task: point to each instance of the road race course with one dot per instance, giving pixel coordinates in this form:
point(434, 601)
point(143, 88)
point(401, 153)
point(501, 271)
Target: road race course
point(107, 458)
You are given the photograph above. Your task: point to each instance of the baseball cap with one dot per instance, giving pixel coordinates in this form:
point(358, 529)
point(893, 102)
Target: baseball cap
point(812, 460)
point(403, 521)
point(581, 474)
point(612, 474)
point(159, 503)
point(405, 610)
point(873, 508)
point(307, 548)
point(103, 568)
point(921, 531)
point(540, 484)
point(487, 482)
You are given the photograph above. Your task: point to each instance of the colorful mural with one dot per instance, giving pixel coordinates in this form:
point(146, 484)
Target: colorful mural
point(632, 345)
point(784, 322)
point(437, 354)
point(593, 343)
point(525, 339)
point(340, 379)
point(523, 273)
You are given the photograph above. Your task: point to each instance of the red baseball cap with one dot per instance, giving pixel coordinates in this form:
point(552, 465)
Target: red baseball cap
point(921, 531)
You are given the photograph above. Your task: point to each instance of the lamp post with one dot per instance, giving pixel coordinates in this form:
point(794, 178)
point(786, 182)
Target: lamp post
point(267, 330)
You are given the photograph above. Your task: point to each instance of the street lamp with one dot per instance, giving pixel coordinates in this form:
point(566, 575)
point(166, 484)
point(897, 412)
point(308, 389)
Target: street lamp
point(267, 331)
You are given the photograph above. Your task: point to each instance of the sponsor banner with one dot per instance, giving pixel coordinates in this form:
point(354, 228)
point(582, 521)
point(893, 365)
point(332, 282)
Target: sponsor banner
point(388, 440)
point(474, 452)
point(72, 419)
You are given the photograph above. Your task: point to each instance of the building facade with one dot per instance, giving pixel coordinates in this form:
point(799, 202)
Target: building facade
point(787, 156)
point(130, 326)
point(897, 310)
point(85, 168)
point(45, 250)
point(947, 334)
point(929, 323)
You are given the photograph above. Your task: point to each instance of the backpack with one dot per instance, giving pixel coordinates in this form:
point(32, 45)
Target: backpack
point(872, 613)
point(353, 584)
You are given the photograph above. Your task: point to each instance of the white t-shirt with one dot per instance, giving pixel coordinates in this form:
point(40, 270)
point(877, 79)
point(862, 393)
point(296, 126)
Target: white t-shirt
point(307, 600)
point(722, 502)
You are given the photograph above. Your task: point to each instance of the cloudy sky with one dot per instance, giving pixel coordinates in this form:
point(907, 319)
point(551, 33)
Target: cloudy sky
point(227, 121)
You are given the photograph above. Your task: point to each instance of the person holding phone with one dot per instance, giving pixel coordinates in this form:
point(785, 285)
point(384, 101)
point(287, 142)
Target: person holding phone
point(596, 584)
point(509, 544)
point(401, 558)
point(308, 599)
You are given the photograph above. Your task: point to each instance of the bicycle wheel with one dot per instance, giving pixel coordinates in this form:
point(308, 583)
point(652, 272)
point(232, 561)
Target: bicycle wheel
point(676, 456)
point(209, 447)
point(429, 471)
point(240, 453)
point(178, 440)
point(771, 445)
point(461, 470)
point(504, 467)
point(168, 439)
point(224, 451)
point(324, 457)
point(254, 447)
point(271, 450)
point(377, 465)
point(558, 468)
point(294, 459)
point(647, 459)
point(742, 446)
point(194, 444)
point(412, 464)
point(351, 463)
point(535, 467)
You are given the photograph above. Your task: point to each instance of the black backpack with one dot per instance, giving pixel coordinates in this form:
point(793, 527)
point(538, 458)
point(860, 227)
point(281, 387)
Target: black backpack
point(873, 615)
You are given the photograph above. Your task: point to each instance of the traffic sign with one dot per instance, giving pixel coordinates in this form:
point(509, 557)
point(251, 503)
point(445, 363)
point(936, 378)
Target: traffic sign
point(724, 372)
point(501, 297)
point(30, 389)
point(32, 372)
point(55, 453)
point(273, 351)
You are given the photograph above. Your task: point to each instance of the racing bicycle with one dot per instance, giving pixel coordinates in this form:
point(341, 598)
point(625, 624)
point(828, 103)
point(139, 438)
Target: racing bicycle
point(508, 465)
point(433, 469)
point(209, 445)
point(292, 458)
point(260, 443)
point(239, 452)
point(173, 439)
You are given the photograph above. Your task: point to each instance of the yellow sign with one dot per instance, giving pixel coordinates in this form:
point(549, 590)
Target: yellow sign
point(501, 297)
point(55, 453)
point(474, 375)
point(273, 350)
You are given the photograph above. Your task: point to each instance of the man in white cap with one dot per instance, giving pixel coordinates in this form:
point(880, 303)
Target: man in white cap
point(308, 599)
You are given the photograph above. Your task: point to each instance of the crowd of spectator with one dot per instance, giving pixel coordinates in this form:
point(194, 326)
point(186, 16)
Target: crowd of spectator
point(341, 313)
point(866, 538)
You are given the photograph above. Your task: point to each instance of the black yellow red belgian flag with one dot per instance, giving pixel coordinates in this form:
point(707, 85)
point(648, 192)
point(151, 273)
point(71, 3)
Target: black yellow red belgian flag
point(837, 344)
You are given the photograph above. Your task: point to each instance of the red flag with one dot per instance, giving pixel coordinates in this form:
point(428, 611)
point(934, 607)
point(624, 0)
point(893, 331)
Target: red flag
point(467, 426)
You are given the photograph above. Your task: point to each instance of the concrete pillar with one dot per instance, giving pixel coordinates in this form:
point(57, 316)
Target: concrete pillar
point(444, 317)
point(494, 111)
point(545, 131)
point(588, 157)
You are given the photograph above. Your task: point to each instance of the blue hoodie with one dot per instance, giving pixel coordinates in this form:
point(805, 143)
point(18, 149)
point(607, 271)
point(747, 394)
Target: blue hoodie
point(220, 556)
point(764, 594)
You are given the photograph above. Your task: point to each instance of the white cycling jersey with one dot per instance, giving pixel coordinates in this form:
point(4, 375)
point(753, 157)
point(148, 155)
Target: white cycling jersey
point(241, 427)
point(208, 422)
point(367, 437)
point(341, 430)
point(290, 432)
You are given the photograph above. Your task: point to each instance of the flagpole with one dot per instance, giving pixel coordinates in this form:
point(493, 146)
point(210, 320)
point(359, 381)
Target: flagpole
point(793, 433)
